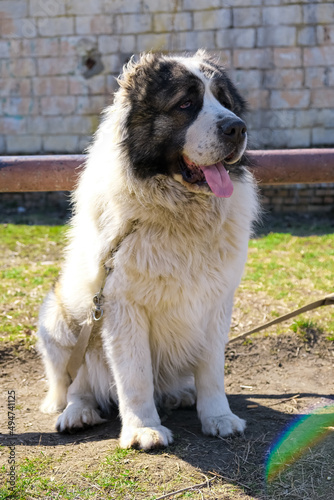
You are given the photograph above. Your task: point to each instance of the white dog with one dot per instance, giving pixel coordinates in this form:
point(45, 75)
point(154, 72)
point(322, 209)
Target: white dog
point(166, 203)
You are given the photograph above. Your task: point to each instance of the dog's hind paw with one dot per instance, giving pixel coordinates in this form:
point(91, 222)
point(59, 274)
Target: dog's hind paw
point(145, 438)
point(223, 425)
point(185, 398)
point(77, 417)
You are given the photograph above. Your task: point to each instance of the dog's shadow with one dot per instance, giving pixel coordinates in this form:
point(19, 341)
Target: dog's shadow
point(265, 424)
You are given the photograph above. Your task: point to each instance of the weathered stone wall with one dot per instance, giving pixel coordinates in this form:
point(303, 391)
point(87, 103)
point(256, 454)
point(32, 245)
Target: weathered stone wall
point(59, 59)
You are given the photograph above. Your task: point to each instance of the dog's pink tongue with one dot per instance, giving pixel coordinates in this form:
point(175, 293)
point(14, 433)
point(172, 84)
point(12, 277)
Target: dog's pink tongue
point(218, 179)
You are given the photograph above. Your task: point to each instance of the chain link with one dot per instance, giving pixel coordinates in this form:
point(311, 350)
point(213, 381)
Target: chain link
point(98, 299)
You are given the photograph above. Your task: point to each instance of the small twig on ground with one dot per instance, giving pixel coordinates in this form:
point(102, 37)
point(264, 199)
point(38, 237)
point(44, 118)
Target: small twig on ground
point(246, 452)
point(285, 400)
point(195, 486)
point(207, 479)
point(229, 479)
point(66, 472)
point(199, 491)
point(189, 432)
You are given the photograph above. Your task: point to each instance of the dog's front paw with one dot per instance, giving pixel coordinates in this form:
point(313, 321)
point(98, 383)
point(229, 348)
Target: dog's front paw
point(145, 438)
point(76, 417)
point(223, 425)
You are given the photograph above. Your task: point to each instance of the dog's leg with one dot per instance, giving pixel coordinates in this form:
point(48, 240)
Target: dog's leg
point(182, 396)
point(126, 342)
point(212, 405)
point(82, 407)
point(58, 381)
point(54, 341)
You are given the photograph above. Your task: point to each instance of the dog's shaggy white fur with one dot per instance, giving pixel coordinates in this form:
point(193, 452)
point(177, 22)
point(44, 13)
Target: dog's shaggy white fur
point(168, 301)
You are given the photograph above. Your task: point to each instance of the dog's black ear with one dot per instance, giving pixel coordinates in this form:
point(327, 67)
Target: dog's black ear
point(149, 71)
point(135, 70)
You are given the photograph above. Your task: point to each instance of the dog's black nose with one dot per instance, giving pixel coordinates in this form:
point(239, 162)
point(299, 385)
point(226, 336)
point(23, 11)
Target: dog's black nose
point(234, 129)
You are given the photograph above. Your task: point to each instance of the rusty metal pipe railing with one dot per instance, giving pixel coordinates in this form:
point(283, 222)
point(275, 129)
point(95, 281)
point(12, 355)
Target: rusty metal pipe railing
point(60, 172)
point(39, 173)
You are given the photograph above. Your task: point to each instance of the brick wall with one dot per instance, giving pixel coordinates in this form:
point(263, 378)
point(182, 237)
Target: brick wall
point(298, 198)
point(59, 59)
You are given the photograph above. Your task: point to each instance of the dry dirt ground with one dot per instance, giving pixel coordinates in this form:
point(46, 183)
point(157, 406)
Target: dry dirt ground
point(270, 380)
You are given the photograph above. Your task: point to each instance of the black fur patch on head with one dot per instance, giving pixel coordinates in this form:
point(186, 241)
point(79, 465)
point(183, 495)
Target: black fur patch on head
point(157, 123)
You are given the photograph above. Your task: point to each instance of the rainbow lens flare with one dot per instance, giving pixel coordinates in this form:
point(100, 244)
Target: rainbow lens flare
point(301, 435)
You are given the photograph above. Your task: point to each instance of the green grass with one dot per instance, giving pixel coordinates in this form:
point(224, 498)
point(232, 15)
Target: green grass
point(302, 325)
point(122, 474)
point(113, 478)
point(35, 479)
point(29, 263)
point(292, 269)
point(27, 239)
point(280, 263)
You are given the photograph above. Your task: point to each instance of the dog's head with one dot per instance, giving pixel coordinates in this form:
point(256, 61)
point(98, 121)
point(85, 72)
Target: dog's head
point(183, 120)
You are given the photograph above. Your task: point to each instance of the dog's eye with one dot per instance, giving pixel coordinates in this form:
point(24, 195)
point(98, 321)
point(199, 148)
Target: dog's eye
point(227, 104)
point(186, 105)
